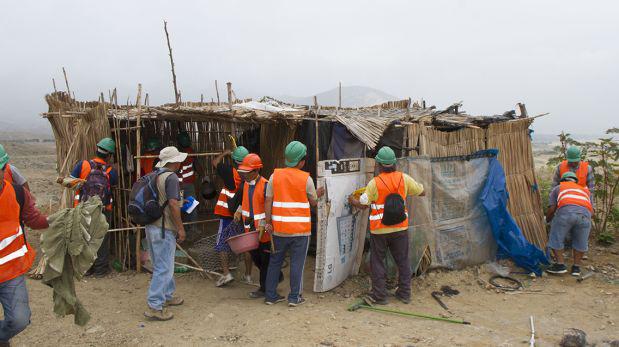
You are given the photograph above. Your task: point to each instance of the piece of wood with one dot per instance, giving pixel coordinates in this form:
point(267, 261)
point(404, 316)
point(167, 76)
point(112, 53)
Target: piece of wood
point(229, 86)
point(66, 81)
point(138, 171)
point(176, 93)
point(201, 99)
point(217, 91)
point(206, 154)
point(193, 261)
point(54, 83)
point(523, 110)
point(339, 96)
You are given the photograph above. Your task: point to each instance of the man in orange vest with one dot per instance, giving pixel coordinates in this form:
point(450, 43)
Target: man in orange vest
point(582, 169)
point(251, 211)
point(17, 207)
point(569, 211)
point(11, 173)
point(102, 174)
point(386, 196)
point(232, 182)
point(290, 193)
point(152, 148)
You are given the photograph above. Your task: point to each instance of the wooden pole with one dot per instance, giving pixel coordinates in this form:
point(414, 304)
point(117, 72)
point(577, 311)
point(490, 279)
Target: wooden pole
point(315, 102)
point(138, 171)
point(54, 83)
point(229, 86)
point(206, 154)
point(146, 101)
point(217, 91)
point(66, 81)
point(523, 110)
point(339, 98)
point(176, 94)
point(201, 98)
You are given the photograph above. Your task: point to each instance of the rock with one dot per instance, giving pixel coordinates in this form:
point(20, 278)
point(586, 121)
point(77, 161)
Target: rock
point(326, 343)
point(573, 338)
point(94, 329)
point(211, 315)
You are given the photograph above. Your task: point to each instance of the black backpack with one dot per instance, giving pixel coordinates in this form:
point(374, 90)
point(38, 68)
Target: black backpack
point(144, 207)
point(395, 207)
point(97, 183)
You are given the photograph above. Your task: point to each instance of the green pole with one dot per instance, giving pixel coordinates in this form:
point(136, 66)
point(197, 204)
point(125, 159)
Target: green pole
point(412, 314)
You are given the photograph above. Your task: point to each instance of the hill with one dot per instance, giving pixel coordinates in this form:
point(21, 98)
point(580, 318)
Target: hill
point(352, 96)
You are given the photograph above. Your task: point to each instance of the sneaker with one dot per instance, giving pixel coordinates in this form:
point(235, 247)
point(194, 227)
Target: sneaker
point(584, 257)
point(247, 279)
point(299, 302)
point(257, 294)
point(224, 279)
point(575, 270)
point(557, 269)
point(175, 301)
point(371, 300)
point(279, 298)
point(161, 315)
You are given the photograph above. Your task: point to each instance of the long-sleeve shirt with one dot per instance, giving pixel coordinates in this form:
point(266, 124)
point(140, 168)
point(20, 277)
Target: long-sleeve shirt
point(30, 215)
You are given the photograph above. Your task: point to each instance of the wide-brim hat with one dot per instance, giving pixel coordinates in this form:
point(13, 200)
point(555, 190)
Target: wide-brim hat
point(170, 155)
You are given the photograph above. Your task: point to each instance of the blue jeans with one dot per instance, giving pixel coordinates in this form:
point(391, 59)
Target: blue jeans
point(578, 225)
point(14, 298)
point(162, 251)
point(297, 245)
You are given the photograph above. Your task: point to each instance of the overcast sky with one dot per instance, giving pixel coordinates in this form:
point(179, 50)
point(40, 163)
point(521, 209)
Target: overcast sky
point(556, 56)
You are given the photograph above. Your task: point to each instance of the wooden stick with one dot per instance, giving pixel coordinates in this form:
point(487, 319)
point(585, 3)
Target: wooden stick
point(54, 83)
point(229, 86)
point(201, 98)
point(207, 154)
point(138, 171)
point(66, 80)
point(142, 227)
point(193, 261)
point(217, 91)
point(339, 103)
point(176, 94)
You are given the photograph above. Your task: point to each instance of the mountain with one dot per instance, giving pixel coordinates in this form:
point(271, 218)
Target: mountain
point(352, 96)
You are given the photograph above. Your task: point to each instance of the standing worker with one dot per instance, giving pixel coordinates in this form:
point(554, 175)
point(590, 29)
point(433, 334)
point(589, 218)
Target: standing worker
point(569, 211)
point(386, 196)
point(187, 178)
point(232, 183)
point(17, 207)
point(11, 173)
point(290, 193)
point(96, 177)
point(152, 148)
point(161, 237)
point(252, 213)
point(582, 170)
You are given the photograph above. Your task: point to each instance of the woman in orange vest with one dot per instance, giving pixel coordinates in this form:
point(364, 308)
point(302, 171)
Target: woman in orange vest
point(290, 193)
point(569, 211)
point(251, 211)
point(386, 233)
point(224, 209)
point(16, 256)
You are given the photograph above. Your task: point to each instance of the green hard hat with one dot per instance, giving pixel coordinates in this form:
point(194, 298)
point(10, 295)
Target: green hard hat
point(4, 157)
point(183, 139)
point(107, 144)
point(295, 151)
point(153, 144)
point(239, 154)
point(386, 156)
point(569, 174)
point(573, 154)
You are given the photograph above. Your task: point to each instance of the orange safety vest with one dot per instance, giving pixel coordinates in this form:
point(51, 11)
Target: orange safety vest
point(387, 183)
point(257, 206)
point(8, 174)
point(146, 164)
point(16, 255)
point(582, 172)
point(291, 209)
point(221, 208)
point(84, 173)
point(571, 193)
point(186, 173)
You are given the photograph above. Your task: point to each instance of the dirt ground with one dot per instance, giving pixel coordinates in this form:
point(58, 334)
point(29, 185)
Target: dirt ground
point(225, 316)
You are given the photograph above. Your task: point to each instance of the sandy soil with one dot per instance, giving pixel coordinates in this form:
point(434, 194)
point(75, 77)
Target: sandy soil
point(225, 316)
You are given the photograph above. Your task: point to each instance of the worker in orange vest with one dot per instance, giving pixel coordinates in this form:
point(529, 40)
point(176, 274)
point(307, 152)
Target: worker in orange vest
point(570, 210)
point(582, 169)
point(232, 182)
point(96, 177)
point(11, 173)
point(152, 148)
point(290, 193)
point(17, 207)
point(386, 196)
point(251, 212)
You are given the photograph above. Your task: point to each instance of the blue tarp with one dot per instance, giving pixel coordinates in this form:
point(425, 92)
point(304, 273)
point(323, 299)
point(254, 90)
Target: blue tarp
point(509, 238)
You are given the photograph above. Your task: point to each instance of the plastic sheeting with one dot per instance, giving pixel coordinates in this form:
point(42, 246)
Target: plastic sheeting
point(509, 238)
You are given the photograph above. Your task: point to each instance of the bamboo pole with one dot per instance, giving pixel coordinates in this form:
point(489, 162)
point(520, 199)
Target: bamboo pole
point(206, 154)
point(339, 96)
point(54, 83)
point(138, 171)
point(176, 94)
point(66, 80)
point(217, 91)
point(142, 227)
point(229, 86)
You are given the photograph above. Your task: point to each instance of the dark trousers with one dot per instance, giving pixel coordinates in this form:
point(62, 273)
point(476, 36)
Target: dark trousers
point(102, 263)
point(261, 257)
point(397, 244)
point(297, 246)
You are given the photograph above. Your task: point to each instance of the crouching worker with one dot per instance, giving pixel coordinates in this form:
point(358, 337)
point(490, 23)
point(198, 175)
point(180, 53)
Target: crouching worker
point(569, 210)
point(16, 256)
point(252, 213)
point(161, 237)
point(386, 196)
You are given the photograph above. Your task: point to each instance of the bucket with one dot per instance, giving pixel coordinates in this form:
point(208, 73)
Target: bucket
point(244, 242)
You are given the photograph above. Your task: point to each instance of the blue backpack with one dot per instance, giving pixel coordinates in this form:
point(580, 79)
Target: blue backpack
point(144, 207)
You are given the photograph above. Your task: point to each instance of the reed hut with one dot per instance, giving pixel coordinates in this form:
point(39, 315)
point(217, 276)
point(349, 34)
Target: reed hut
point(267, 125)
